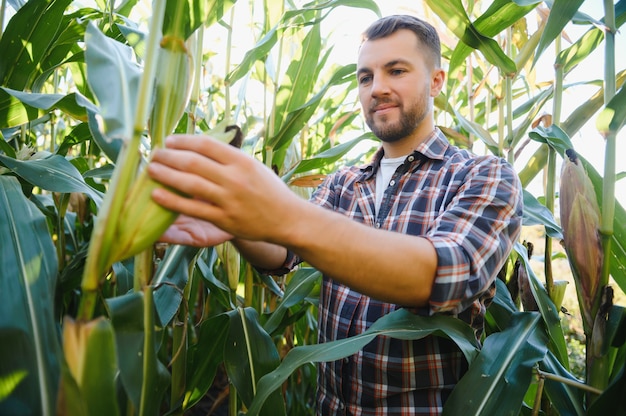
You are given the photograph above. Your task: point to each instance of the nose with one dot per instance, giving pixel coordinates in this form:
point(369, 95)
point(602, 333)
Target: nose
point(380, 86)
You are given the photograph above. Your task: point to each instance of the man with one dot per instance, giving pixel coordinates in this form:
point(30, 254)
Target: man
point(424, 226)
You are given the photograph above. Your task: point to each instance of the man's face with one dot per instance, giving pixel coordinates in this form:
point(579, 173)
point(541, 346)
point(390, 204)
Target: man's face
point(395, 85)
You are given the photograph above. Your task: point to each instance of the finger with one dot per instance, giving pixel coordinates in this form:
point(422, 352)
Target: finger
point(191, 162)
point(188, 183)
point(187, 206)
point(205, 145)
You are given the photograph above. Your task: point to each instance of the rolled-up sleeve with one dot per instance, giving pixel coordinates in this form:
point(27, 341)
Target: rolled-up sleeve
point(475, 234)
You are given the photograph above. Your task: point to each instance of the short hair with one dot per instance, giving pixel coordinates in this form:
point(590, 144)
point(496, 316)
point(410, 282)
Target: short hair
point(426, 34)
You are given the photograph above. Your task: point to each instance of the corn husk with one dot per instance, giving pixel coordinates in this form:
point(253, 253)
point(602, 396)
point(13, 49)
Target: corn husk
point(580, 221)
point(88, 382)
point(229, 256)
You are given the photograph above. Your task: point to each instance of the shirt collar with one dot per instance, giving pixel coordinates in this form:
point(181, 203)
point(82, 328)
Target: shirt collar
point(434, 147)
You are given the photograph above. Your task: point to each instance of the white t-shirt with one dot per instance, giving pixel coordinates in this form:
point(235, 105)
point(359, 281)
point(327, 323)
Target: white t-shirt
point(386, 170)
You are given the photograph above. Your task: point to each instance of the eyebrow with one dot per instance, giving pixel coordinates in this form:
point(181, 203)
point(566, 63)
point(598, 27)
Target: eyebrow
point(389, 64)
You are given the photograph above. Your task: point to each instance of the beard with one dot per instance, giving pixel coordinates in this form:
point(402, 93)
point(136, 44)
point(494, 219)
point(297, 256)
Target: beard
point(410, 119)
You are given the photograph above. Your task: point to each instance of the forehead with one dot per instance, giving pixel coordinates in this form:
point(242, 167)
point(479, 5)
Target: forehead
point(400, 45)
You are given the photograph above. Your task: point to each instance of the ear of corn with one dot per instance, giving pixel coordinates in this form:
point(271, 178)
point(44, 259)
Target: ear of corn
point(88, 381)
point(142, 221)
point(580, 220)
point(229, 257)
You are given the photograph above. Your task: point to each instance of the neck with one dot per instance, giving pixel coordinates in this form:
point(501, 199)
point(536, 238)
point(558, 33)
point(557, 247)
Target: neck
point(407, 144)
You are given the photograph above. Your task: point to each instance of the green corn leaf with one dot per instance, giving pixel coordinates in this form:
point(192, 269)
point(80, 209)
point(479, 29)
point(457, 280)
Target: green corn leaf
point(549, 312)
point(400, 324)
point(127, 317)
point(299, 117)
point(299, 287)
point(454, 13)
point(536, 213)
point(74, 104)
point(27, 38)
point(613, 117)
point(299, 80)
point(565, 397)
point(53, 173)
point(170, 280)
point(27, 322)
point(327, 157)
point(561, 13)
point(499, 377)
point(249, 354)
point(196, 13)
point(114, 80)
point(205, 357)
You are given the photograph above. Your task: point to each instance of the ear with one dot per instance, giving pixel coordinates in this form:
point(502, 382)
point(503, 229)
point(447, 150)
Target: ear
point(437, 79)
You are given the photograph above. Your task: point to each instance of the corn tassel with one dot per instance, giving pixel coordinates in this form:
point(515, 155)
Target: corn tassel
point(580, 220)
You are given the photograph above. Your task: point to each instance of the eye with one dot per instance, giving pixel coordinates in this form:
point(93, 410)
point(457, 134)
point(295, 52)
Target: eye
point(397, 71)
point(365, 79)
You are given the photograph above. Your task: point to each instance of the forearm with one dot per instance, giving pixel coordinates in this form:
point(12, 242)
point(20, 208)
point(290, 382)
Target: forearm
point(260, 254)
point(384, 265)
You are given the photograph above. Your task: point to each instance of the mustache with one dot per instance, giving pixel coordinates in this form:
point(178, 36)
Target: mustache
point(379, 102)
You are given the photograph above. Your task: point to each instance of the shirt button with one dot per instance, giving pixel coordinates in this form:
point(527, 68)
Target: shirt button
point(392, 183)
point(411, 158)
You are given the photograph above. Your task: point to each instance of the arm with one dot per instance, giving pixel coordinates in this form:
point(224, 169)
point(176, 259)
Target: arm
point(247, 200)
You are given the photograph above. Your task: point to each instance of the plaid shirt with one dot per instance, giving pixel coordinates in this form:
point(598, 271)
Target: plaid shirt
point(470, 208)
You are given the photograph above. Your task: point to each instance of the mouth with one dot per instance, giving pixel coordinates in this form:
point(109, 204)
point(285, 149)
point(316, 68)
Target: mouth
point(383, 109)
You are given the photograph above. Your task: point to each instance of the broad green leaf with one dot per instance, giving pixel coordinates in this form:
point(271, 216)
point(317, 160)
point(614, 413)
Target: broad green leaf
point(197, 13)
point(549, 312)
point(498, 378)
point(26, 39)
point(114, 80)
point(298, 288)
point(400, 324)
point(28, 325)
point(249, 354)
point(478, 131)
point(170, 280)
point(258, 53)
point(219, 290)
point(127, 317)
point(613, 117)
point(74, 104)
point(299, 79)
point(567, 398)
point(13, 112)
point(569, 58)
point(327, 157)
point(53, 173)
point(205, 357)
point(561, 13)
point(499, 16)
point(455, 16)
point(537, 214)
point(552, 136)
point(298, 118)
point(363, 4)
